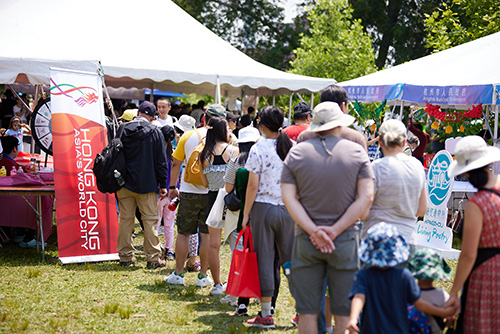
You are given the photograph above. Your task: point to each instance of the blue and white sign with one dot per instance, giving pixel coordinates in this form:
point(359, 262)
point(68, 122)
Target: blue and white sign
point(439, 184)
point(432, 231)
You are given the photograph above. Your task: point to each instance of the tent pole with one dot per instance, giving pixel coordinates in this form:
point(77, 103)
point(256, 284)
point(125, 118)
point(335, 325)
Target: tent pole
point(495, 131)
point(312, 101)
point(151, 96)
point(217, 91)
point(274, 100)
point(494, 103)
point(290, 110)
point(256, 100)
point(242, 101)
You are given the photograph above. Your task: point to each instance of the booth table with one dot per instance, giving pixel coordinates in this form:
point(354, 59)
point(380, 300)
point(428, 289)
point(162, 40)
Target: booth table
point(37, 191)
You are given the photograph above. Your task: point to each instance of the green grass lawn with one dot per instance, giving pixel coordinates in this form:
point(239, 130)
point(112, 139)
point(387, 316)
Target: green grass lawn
point(48, 297)
point(104, 297)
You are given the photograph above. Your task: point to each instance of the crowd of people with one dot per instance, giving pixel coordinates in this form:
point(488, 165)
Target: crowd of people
point(341, 222)
point(337, 209)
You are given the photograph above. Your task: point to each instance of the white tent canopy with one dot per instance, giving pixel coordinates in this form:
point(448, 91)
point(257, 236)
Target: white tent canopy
point(140, 44)
point(457, 77)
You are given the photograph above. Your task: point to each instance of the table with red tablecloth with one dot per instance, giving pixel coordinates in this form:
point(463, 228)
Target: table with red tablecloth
point(15, 191)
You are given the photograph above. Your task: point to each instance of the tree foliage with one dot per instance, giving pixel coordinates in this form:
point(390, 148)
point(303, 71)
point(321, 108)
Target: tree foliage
point(337, 47)
point(397, 27)
point(250, 25)
point(461, 21)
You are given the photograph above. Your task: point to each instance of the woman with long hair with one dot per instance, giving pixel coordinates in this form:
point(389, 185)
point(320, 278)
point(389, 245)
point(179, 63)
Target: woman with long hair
point(478, 269)
point(236, 179)
point(264, 210)
point(213, 160)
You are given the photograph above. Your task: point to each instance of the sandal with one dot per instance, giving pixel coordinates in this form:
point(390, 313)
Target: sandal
point(193, 266)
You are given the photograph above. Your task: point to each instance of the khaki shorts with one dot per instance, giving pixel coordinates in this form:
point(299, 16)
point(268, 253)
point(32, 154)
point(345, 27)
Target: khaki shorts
point(310, 266)
point(192, 214)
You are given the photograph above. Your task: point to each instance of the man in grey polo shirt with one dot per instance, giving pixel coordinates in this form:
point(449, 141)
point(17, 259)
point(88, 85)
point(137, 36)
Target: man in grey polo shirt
point(334, 183)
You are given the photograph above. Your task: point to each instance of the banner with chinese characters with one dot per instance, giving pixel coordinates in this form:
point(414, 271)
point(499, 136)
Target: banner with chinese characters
point(432, 231)
point(455, 95)
point(87, 224)
point(374, 93)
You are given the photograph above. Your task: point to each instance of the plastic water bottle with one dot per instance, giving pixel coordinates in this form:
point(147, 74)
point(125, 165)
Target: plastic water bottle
point(173, 204)
point(3, 171)
point(13, 171)
point(32, 165)
point(119, 178)
point(20, 170)
point(287, 268)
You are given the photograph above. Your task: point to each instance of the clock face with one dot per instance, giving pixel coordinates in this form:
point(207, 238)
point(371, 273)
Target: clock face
point(41, 126)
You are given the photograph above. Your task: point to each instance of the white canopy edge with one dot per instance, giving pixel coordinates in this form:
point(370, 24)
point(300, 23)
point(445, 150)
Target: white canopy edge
point(146, 44)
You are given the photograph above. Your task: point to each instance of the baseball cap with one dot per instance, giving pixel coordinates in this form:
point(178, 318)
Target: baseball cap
point(129, 114)
point(231, 116)
point(147, 108)
point(216, 110)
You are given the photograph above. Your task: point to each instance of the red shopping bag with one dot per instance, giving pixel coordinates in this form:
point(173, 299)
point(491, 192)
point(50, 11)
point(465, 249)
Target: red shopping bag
point(243, 278)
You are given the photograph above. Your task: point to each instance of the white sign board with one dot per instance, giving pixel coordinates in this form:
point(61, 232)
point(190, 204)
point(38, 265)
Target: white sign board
point(432, 231)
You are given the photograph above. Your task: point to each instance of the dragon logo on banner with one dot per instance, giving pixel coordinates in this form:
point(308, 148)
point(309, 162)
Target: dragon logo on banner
point(81, 95)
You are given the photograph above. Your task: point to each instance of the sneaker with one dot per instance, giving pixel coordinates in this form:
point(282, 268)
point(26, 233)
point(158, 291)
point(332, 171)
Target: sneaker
point(260, 322)
point(175, 279)
point(129, 263)
point(203, 281)
point(157, 264)
point(241, 311)
point(31, 244)
point(230, 300)
point(193, 266)
point(217, 290)
point(295, 320)
point(170, 256)
point(329, 330)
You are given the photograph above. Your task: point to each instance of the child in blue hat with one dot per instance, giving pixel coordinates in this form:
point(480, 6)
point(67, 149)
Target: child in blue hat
point(383, 290)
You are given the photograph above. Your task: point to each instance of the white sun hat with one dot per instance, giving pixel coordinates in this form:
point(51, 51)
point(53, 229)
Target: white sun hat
point(185, 123)
point(471, 153)
point(328, 115)
point(248, 134)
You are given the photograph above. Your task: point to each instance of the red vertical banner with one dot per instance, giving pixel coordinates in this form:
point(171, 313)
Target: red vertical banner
point(87, 223)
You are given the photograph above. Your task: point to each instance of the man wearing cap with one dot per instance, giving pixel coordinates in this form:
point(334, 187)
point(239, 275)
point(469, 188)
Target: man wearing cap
point(163, 108)
point(337, 94)
point(128, 115)
point(231, 122)
point(302, 116)
point(146, 161)
point(191, 214)
point(335, 181)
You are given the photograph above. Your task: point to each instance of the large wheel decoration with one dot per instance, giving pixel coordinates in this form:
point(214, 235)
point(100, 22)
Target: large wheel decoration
point(41, 126)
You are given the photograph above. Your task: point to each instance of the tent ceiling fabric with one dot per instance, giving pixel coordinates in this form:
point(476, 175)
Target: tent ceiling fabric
point(141, 44)
point(472, 68)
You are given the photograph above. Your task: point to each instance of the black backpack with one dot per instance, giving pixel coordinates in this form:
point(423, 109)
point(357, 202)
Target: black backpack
point(110, 167)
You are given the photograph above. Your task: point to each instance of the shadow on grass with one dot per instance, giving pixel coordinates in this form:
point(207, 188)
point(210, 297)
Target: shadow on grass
point(225, 323)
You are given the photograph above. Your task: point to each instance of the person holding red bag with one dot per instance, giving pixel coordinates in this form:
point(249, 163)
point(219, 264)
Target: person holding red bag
point(264, 209)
